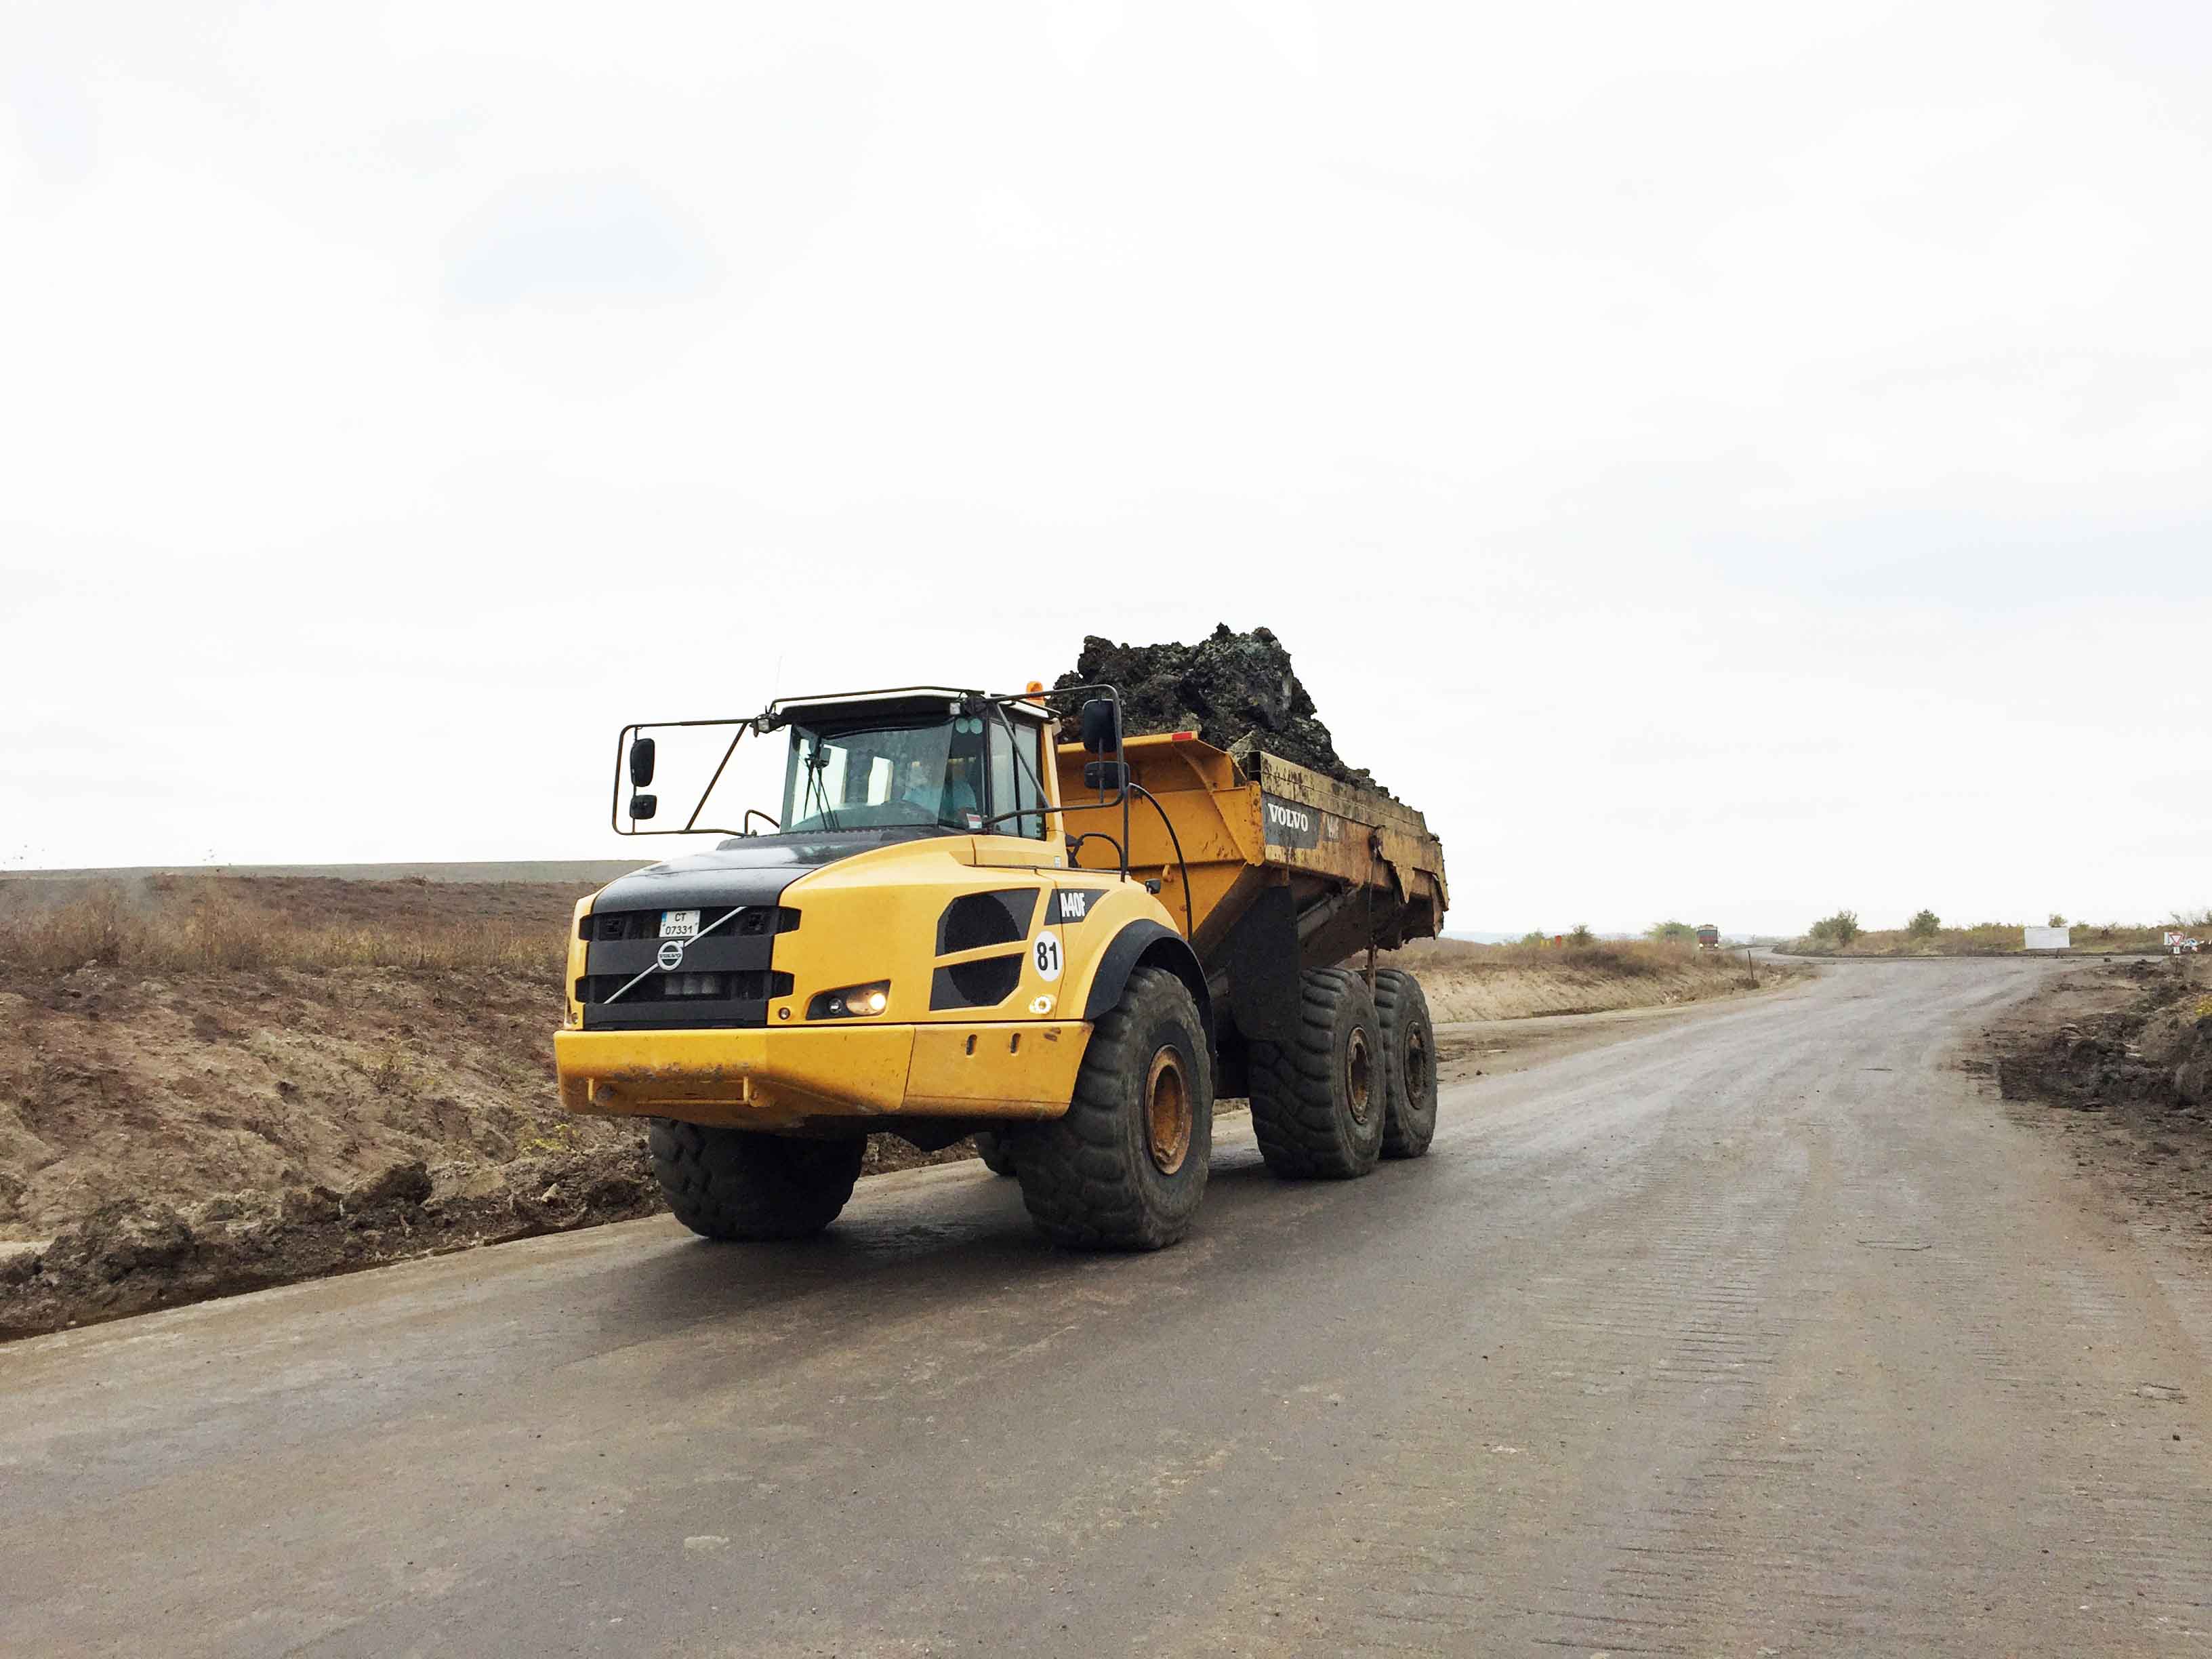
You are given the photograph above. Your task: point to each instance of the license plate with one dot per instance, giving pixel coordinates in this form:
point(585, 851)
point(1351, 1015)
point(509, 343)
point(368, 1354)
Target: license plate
point(679, 924)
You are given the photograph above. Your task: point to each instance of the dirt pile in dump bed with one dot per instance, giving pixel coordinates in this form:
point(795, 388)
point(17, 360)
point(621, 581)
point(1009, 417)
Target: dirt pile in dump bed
point(1237, 691)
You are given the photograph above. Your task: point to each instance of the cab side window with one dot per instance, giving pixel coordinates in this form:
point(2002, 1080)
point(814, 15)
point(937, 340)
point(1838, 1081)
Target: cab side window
point(1015, 779)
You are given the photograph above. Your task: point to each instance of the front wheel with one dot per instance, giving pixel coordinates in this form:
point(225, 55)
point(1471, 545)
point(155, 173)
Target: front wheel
point(740, 1184)
point(1125, 1169)
point(995, 1151)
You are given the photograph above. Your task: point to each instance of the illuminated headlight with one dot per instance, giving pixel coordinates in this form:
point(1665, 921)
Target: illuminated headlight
point(853, 1002)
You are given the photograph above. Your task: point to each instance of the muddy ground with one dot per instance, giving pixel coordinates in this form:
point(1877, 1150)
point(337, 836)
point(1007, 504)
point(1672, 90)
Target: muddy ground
point(2117, 1060)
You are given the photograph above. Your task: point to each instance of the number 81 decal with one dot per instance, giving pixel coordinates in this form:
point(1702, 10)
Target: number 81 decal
point(1046, 954)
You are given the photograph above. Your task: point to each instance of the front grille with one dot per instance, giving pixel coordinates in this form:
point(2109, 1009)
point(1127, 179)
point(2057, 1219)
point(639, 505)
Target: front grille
point(744, 985)
point(752, 922)
point(722, 977)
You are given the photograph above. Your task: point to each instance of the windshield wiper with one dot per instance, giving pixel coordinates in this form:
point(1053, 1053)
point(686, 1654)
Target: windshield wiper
point(816, 794)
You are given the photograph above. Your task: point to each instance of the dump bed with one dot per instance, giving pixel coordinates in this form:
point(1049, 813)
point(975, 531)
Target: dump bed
point(1259, 846)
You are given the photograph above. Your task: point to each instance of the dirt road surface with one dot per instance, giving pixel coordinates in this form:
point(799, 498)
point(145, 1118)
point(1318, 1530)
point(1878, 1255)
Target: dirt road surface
point(1761, 1330)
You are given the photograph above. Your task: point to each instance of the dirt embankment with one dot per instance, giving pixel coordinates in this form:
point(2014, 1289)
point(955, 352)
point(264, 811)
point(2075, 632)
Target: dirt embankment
point(210, 1085)
point(2119, 1060)
point(1467, 981)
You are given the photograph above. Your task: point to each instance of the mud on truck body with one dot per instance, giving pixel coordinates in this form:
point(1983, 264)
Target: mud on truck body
point(957, 925)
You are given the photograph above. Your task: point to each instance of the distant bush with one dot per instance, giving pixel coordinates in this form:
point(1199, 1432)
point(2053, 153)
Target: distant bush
point(1671, 932)
point(2058, 920)
point(1839, 929)
point(1582, 937)
point(1924, 925)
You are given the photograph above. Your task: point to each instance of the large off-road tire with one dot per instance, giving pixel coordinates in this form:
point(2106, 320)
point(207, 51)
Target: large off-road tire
point(735, 1183)
point(1409, 1054)
point(993, 1148)
point(1319, 1102)
point(1126, 1168)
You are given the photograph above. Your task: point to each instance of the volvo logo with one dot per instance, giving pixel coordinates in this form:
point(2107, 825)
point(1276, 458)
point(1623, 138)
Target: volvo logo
point(1290, 825)
point(671, 955)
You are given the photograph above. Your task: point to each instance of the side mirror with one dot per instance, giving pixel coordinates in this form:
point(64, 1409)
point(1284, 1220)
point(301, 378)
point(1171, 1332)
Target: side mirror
point(644, 806)
point(1104, 776)
point(1101, 723)
point(641, 766)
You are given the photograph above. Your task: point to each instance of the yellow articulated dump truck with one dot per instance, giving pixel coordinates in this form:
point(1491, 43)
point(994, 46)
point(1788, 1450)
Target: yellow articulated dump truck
point(958, 925)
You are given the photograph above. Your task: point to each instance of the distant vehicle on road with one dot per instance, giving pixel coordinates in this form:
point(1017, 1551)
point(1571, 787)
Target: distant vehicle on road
point(1709, 937)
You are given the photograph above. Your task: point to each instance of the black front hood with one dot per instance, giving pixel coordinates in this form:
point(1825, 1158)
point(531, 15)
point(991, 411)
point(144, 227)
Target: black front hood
point(743, 870)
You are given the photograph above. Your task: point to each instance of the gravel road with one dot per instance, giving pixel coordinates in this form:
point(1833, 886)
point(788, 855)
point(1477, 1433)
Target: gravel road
point(1762, 1330)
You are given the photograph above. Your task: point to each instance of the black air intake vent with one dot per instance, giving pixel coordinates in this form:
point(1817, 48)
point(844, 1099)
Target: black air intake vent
point(975, 920)
point(982, 984)
point(683, 985)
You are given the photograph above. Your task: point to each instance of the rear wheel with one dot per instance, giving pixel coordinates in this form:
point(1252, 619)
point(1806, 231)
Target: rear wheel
point(738, 1184)
point(991, 1147)
point(1318, 1102)
point(1409, 1051)
point(1125, 1169)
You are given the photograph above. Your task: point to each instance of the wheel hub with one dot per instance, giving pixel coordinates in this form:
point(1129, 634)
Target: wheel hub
point(1417, 1068)
point(1359, 1076)
point(1167, 1112)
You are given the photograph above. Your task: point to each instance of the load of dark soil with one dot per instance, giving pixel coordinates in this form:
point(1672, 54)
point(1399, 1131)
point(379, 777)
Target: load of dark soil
point(1237, 691)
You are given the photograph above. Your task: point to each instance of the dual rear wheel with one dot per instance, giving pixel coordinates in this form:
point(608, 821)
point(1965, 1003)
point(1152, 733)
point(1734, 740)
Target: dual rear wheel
point(1356, 1084)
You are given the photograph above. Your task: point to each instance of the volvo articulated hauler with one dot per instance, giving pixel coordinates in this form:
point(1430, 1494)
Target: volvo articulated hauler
point(958, 925)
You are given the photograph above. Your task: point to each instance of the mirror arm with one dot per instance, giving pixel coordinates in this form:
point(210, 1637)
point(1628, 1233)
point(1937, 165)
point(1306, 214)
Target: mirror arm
point(700, 806)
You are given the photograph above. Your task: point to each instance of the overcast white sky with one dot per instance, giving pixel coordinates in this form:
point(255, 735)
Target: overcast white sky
point(1720, 461)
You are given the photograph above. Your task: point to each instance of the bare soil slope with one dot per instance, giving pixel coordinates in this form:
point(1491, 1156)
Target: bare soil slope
point(2119, 1061)
point(222, 1035)
point(1468, 982)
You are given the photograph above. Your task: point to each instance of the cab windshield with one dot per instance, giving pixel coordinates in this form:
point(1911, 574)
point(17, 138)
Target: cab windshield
point(927, 775)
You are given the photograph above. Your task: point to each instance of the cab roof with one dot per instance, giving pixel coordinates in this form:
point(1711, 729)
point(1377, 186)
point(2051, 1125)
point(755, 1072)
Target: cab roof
point(900, 703)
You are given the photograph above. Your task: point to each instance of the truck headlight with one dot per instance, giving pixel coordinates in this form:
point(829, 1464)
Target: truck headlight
point(853, 1002)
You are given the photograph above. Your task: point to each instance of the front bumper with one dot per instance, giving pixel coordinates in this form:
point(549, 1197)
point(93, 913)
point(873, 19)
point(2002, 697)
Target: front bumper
point(786, 1078)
